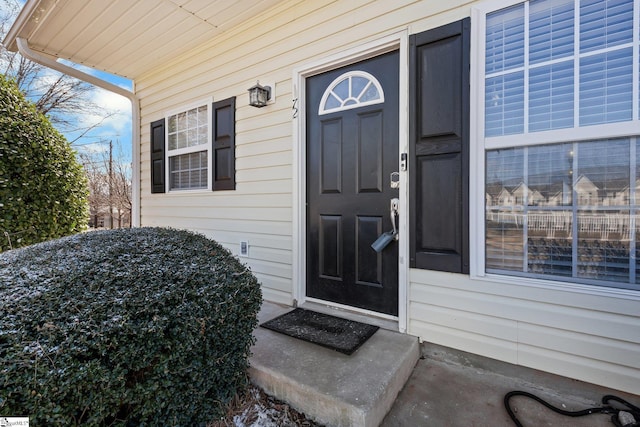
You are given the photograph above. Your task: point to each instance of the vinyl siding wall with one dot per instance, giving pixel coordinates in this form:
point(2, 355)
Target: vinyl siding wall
point(268, 49)
point(583, 334)
point(588, 336)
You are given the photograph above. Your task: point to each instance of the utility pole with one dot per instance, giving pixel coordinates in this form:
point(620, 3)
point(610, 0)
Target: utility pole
point(111, 184)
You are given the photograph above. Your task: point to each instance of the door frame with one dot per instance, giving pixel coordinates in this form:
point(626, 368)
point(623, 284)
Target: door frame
point(396, 41)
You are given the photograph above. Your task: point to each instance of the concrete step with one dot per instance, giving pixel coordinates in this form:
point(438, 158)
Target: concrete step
point(332, 388)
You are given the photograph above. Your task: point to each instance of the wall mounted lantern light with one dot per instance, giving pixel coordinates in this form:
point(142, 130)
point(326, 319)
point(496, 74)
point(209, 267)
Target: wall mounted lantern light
point(259, 95)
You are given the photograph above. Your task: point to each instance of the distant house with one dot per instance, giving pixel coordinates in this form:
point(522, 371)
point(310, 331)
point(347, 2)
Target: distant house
point(444, 105)
point(505, 198)
point(522, 195)
point(587, 191)
point(562, 196)
point(100, 218)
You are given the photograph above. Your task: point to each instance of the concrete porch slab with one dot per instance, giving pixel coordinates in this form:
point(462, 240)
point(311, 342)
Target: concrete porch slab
point(330, 387)
point(450, 387)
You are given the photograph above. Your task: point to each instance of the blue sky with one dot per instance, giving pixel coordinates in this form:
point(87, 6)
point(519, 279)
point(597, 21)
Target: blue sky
point(116, 128)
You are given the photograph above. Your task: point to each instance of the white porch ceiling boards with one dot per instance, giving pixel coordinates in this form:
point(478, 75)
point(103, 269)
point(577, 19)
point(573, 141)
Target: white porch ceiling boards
point(127, 37)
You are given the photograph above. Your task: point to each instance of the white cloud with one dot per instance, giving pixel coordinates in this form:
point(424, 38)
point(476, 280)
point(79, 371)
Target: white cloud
point(116, 109)
point(112, 101)
point(94, 148)
point(116, 104)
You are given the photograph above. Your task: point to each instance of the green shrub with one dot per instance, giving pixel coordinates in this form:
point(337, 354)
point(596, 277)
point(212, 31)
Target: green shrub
point(144, 326)
point(43, 189)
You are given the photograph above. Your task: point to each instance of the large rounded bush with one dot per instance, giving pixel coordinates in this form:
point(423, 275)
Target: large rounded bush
point(43, 188)
point(145, 326)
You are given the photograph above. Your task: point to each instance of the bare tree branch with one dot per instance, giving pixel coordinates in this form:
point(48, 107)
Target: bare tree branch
point(86, 130)
point(109, 188)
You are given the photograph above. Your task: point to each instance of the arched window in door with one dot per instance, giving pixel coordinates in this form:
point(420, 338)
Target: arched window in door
point(351, 90)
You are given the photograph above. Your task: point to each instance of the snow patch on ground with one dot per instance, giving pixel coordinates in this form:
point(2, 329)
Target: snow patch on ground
point(256, 409)
point(262, 415)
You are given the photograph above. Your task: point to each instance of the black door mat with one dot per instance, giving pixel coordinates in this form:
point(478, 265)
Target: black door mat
point(342, 335)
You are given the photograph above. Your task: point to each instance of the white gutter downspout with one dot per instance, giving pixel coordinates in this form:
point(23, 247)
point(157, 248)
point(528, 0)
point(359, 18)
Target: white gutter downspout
point(25, 50)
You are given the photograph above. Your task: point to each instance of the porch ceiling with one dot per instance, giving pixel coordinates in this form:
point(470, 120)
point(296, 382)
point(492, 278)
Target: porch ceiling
point(126, 37)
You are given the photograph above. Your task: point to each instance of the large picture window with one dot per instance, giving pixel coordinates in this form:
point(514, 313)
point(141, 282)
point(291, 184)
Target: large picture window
point(559, 130)
point(566, 210)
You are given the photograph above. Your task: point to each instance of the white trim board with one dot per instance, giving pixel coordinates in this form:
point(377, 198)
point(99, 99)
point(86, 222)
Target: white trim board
point(397, 41)
point(359, 315)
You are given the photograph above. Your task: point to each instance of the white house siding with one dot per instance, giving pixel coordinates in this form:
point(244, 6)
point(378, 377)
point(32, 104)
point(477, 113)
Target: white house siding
point(593, 337)
point(267, 48)
point(584, 334)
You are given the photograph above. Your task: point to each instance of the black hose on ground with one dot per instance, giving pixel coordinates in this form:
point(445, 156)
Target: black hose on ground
point(627, 417)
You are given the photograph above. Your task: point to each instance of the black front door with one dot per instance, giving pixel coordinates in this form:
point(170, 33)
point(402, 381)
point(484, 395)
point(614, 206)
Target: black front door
point(352, 149)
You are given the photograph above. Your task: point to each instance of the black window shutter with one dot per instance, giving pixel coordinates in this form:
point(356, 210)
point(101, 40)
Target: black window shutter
point(224, 144)
point(439, 148)
point(157, 157)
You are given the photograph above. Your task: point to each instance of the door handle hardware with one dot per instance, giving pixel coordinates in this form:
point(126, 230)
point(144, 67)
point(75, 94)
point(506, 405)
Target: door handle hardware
point(388, 236)
point(395, 179)
point(394, 207)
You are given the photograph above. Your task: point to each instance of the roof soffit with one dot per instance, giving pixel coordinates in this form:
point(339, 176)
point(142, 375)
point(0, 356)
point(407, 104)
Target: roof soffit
point(125, 37)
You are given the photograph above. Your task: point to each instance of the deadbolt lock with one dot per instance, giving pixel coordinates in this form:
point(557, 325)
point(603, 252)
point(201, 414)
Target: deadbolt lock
point(395, 179)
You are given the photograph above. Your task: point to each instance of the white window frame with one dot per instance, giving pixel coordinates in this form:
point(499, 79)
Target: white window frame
point(357, 103)
point(188, 150)
point(480, 144)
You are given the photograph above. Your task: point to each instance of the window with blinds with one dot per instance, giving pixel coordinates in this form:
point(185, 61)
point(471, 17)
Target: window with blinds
point(538, 76)
point(187, 149)
point(561, 183)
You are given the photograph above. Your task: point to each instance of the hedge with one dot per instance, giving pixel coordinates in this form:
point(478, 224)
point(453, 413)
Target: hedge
point(43, 188)
point(146, 326)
